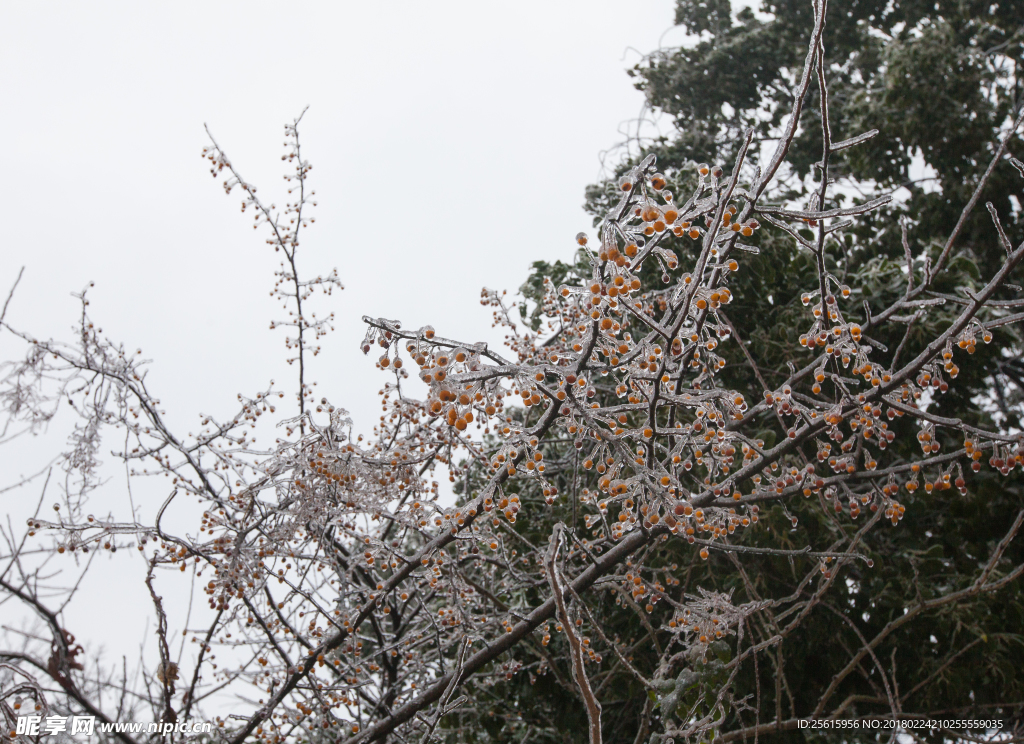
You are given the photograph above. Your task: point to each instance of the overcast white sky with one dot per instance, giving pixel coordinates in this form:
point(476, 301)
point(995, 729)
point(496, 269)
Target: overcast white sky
point(451, 145)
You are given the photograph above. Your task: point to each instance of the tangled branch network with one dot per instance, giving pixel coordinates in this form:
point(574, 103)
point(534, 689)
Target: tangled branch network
point(358, 606)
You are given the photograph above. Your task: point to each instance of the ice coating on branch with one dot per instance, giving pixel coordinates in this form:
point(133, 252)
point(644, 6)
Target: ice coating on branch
point(604, 454)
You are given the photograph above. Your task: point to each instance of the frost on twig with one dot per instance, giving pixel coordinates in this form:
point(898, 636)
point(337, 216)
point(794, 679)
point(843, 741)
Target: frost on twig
point(605, 461)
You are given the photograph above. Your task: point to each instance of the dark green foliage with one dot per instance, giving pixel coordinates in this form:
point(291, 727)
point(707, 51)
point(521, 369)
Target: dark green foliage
point(940, 81)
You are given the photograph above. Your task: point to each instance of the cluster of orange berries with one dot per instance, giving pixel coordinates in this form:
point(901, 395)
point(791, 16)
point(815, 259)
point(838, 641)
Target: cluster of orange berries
point(509, 506)
point(871, 426)
point(710, 297)
point(451, 400)
point(335, 467)
point(1003, 459)
point(838, 339)
point(526, 455)
point(782, 400)
point(894, 512)
point(704, 630)
point(967, 339)
point(680, 517)
point(633, 583)
point(926, 437)
point(833, 341)
point(942, 483)
point(706, 618)
point(656, 218)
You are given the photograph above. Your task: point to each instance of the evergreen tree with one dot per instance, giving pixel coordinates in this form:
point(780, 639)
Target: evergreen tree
point(941, 84)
